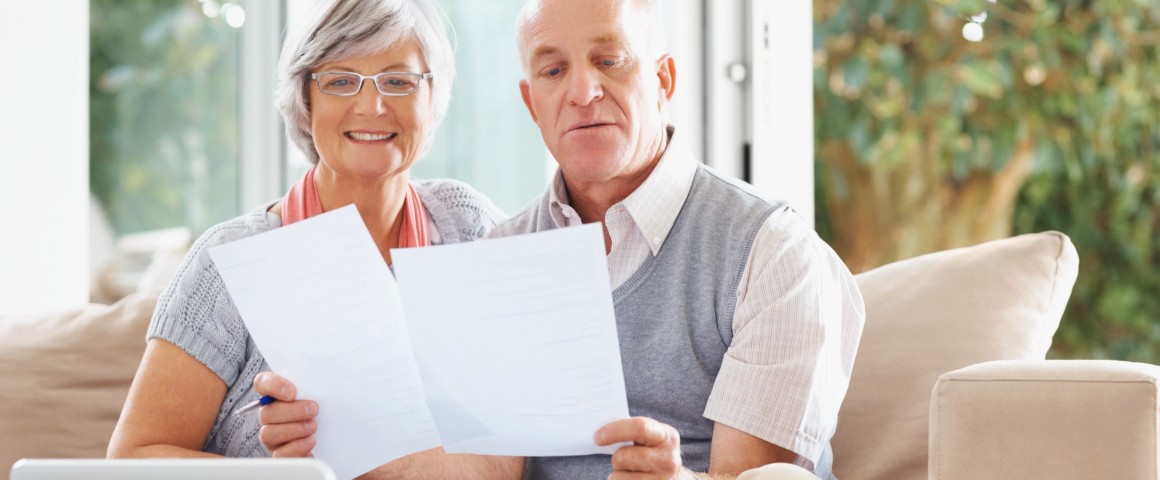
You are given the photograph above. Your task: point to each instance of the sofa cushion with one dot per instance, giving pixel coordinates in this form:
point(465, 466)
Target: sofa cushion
point(64, 377)
point(936, 313)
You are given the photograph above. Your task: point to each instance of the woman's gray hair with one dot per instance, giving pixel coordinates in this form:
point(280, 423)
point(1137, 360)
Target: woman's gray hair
point(344, 29)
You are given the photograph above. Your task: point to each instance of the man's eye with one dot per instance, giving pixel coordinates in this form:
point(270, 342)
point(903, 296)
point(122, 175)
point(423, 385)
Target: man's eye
point(611, 62)
point(554, 71)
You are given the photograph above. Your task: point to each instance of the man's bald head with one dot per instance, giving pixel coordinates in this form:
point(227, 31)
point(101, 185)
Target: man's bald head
point(645, 14)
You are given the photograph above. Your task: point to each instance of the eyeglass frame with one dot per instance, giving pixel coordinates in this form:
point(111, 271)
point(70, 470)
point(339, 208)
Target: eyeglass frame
point(421, 77)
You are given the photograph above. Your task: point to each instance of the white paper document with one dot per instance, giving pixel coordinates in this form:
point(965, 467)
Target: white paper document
point(503, 347)
point(323, 308)
point(516, 341)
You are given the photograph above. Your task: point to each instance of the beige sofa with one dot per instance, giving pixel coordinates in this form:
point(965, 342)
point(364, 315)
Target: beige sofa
point(949, 383)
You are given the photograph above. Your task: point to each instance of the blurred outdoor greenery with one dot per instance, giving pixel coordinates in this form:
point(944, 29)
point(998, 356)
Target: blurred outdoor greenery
point(163, 111)
point(1051, 121)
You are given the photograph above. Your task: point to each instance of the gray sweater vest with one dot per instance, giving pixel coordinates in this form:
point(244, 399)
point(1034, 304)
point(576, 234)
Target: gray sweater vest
point(674, 317)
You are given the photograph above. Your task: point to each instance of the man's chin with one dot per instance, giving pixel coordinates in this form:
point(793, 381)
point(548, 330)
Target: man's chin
point(592, 164)
point(589, 146)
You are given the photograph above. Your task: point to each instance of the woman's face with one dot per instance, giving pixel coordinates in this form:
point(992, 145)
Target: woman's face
point(369, 136)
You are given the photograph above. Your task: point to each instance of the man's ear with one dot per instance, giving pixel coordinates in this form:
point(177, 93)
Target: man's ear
point(667, 74)
point(527, 96)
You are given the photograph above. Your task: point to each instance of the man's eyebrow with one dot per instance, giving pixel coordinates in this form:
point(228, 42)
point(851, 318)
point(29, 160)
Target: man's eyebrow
point(608, 38)
point(542, 51)
point(602, 39)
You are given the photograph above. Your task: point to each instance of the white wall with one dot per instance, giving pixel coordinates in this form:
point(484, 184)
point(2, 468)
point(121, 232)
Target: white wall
point(767, 102)
point(44, 153)
point(781, 101)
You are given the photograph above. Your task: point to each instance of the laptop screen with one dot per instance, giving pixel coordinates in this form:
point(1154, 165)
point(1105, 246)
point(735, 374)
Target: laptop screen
point(172, 469)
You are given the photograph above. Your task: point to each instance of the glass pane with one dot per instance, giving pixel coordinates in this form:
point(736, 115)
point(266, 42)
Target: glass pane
point(164, 113)
point(488, 140)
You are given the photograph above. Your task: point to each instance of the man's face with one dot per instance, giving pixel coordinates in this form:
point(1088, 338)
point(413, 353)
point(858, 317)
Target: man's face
point(594, 89)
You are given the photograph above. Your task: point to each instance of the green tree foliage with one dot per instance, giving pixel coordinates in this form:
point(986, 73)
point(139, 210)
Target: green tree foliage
point(163, 114)
point(1099, 179)
point(1052, 121)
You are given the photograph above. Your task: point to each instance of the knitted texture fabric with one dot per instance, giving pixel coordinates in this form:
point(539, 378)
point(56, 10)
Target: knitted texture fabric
point(196, 314)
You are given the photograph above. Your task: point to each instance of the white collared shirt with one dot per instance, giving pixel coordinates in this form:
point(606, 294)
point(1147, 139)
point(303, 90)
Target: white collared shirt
point(640, 223)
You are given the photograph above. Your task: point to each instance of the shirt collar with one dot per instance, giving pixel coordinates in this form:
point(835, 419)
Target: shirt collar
point(655, 204)
point(558, 206)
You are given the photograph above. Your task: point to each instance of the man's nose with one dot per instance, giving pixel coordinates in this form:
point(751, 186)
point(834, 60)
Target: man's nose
point(368, 101)
point(584, 87)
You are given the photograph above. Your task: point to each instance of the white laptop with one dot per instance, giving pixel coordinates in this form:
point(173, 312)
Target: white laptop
point(172, 469)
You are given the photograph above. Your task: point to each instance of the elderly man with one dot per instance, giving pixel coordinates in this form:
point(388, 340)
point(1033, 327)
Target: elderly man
point(738, 325)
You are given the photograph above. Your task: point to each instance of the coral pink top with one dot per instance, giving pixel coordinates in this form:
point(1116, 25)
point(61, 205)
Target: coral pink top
point(302, 202)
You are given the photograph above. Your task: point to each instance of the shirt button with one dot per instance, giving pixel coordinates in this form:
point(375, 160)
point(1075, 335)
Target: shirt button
point(657, 240)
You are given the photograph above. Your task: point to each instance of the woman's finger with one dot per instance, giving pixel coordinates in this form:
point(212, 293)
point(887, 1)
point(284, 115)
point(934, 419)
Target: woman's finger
point(274, 437)
point(274, 385)
point(302, 447)
point(287, 412)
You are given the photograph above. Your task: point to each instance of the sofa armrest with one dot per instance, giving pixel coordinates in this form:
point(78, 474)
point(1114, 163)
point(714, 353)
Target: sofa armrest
point(1053, 419)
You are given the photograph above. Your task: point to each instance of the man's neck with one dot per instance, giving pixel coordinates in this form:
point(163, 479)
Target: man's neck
point(591, 200)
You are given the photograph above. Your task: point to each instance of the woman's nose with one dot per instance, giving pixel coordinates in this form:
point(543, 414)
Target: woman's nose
point(368, 100)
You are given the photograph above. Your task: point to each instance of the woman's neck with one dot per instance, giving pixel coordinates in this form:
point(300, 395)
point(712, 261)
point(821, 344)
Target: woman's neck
point(379, 203)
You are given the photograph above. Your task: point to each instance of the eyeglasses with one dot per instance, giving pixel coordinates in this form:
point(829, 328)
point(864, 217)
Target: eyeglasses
point(345, 84)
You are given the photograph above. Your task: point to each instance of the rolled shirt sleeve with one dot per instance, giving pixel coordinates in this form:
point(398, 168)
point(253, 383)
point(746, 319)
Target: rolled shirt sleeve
point(796, 327)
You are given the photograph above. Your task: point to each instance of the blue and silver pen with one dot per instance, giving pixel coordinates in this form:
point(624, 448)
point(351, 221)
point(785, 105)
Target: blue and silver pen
point(261, 402)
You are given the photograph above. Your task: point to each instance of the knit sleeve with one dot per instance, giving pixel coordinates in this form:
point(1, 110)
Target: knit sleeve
point(457, 206)
point(196, 313)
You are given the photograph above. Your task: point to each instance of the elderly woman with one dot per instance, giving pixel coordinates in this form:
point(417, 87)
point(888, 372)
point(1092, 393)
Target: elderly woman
point(362, 89)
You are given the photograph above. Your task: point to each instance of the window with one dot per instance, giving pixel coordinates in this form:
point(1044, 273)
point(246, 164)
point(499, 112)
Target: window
point(488, 139)
point(164, 113)
point(184, 131)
